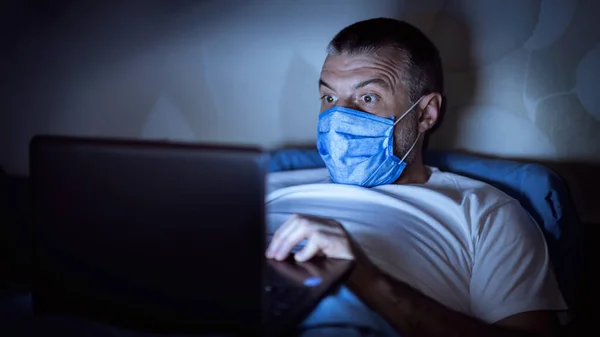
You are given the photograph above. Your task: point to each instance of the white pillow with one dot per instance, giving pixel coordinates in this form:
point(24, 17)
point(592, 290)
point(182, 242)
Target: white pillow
point(278, 180)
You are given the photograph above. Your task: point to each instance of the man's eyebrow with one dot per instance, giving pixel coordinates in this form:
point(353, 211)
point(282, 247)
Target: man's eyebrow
point(378, 81)
point(323, 83)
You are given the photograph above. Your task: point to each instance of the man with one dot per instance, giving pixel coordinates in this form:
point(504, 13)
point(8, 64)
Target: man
point(436, 254)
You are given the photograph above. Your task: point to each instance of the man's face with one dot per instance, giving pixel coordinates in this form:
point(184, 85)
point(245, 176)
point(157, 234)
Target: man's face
point(371, 83)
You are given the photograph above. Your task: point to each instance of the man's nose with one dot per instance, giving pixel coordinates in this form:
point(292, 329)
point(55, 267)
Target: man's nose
point(348, 103)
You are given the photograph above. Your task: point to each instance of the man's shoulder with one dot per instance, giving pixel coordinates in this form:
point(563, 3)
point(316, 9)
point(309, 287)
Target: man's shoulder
point(490, 209)
point(468, 189)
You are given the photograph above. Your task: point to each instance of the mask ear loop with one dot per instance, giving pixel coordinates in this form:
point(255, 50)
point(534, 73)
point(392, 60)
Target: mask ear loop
point(411, 148)
point(417, 139)
point(409, 110)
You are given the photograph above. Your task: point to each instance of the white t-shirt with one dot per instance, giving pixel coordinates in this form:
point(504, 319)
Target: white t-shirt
point(459, 241)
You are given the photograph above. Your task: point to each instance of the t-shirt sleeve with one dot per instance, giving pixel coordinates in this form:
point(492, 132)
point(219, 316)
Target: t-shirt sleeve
point(512, 272)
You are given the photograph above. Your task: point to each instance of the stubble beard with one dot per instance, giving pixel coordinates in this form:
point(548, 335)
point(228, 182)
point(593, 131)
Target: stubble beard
point(405, 134)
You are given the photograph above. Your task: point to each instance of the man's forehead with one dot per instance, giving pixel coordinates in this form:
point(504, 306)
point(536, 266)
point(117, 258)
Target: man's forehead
point(388, 58)
point(361, 66)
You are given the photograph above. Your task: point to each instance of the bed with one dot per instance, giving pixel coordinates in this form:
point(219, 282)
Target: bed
point(540, 191)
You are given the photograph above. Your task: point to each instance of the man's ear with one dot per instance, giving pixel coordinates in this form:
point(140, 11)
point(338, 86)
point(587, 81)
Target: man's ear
point(429, 108)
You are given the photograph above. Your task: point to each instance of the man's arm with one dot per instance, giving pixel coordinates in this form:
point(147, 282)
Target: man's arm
point(500, 285)
point(414, 314)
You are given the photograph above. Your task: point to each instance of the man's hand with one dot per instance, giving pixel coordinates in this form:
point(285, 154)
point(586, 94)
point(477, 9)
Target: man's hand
point(409, 311)
point(324, 236)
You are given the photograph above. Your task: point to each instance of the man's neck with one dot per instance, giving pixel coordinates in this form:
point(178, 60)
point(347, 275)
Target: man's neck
point(415, 173)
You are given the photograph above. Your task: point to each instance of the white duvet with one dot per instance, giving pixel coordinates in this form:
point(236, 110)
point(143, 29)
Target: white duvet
point(459, 241)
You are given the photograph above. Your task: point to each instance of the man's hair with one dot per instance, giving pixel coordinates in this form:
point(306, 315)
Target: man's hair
point(421, 60)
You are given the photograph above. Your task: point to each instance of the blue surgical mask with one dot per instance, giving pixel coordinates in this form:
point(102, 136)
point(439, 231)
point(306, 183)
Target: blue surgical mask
point(358, 147)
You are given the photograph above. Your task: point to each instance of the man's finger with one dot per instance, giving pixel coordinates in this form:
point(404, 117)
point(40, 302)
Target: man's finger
point(287, 222)
point(309, 251)
point(287, 226)
point(280, 233)
point(290, 240)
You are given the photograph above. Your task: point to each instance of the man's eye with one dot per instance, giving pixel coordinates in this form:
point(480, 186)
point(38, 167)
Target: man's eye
point(328, 99)
point(369, 98)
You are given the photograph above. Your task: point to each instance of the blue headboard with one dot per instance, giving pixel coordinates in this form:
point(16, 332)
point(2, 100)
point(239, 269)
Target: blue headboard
point(541, 191)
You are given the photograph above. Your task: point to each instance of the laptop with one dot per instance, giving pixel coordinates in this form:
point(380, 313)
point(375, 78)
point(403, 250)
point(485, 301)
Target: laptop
point(163, 237)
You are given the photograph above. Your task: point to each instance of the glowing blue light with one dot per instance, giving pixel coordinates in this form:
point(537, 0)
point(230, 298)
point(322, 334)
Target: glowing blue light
point(312, 281)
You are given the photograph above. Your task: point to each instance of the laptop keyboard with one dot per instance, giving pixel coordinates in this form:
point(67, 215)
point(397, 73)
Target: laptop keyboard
point(283, 297)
